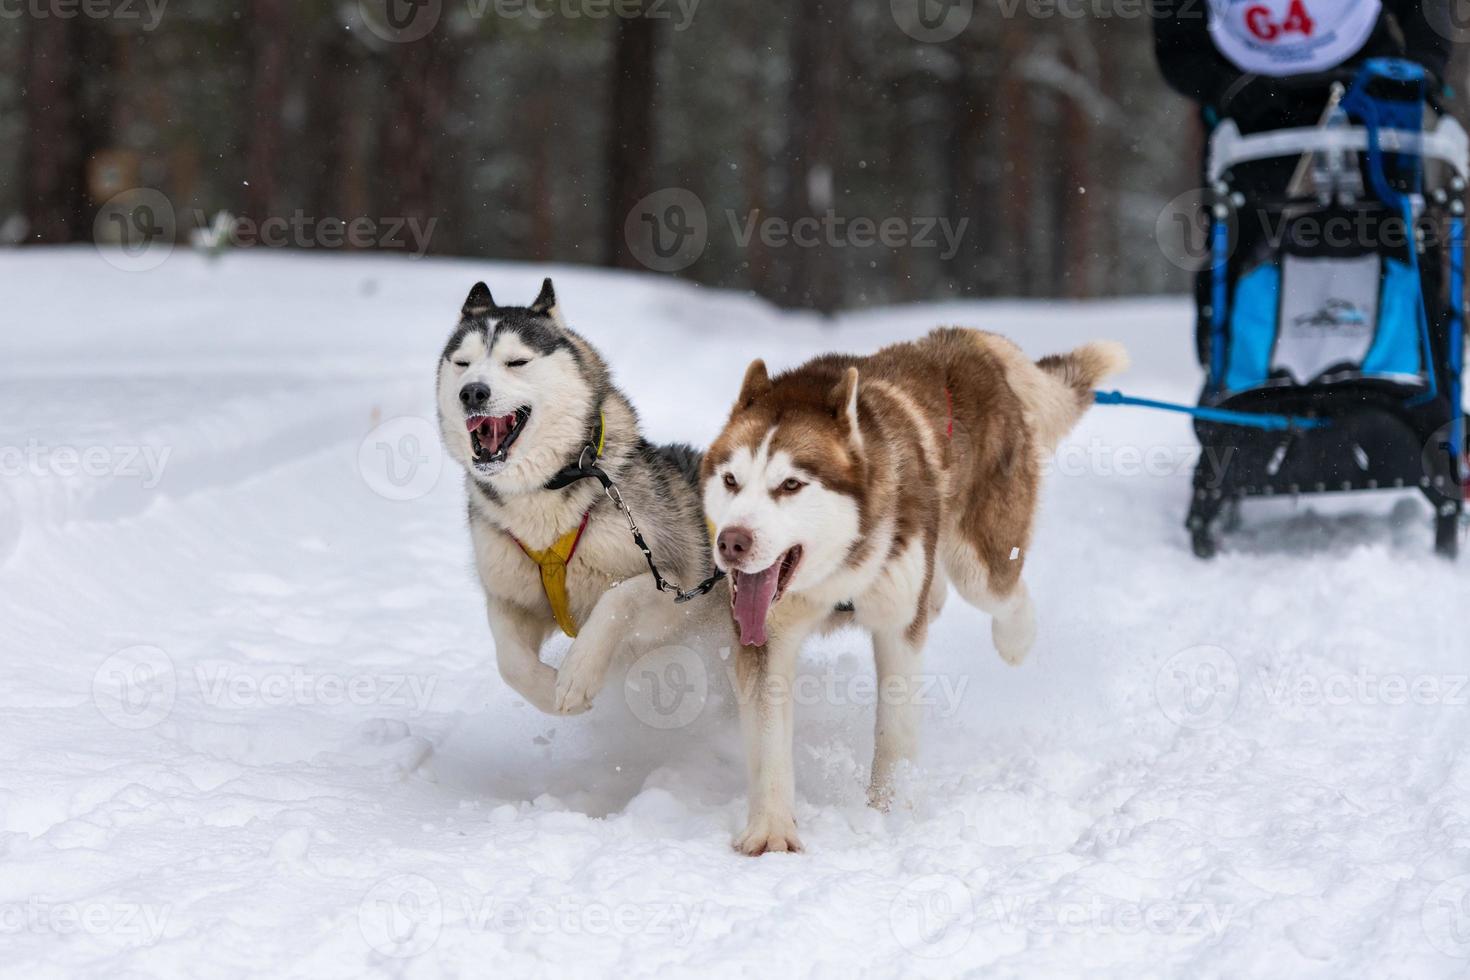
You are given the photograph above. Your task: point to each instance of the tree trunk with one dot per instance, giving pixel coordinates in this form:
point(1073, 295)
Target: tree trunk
point(970, 271)
point(57, 206)
point(811, 177)
point(420, 81)
point(1076, 206)
point(540, 199)
point(632, 151)
point(1102, 189)
point(327, 143)
point(1017, 182)
point(756, 167)
point(270, 33)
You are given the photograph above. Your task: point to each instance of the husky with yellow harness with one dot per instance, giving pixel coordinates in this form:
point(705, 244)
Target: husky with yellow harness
point(528, 407)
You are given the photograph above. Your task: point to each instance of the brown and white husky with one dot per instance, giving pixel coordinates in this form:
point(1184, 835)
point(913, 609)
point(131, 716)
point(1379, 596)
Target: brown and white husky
point(851, 489)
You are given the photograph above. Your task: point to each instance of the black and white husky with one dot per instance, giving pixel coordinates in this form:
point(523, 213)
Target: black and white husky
point(522, 401)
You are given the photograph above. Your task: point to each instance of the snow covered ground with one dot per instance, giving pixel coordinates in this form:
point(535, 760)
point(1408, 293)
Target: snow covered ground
point(250, 722)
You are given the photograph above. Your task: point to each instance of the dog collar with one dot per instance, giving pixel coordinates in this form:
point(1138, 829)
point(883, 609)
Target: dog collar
point(581, 469)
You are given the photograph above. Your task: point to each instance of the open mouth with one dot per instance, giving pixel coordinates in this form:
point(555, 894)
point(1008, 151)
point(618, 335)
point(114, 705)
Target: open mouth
point(491, 436)
point(753, 593)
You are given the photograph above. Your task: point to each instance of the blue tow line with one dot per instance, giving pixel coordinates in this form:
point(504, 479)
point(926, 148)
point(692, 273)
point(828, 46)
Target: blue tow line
point(1253, 420)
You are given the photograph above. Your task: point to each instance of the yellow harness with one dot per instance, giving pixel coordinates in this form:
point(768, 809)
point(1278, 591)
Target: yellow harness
point(553, 561)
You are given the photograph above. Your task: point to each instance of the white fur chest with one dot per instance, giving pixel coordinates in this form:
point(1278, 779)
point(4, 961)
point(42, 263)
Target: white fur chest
point(604, 555)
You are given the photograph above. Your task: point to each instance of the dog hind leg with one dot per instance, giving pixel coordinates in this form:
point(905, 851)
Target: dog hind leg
point(1013, 613)
point(1013, 624)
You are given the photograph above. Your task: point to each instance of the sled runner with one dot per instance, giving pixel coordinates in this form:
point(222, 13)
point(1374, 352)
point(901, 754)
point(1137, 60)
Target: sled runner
point(1334, 292)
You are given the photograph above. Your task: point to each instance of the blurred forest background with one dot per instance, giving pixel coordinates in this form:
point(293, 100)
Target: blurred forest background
point(531, 129)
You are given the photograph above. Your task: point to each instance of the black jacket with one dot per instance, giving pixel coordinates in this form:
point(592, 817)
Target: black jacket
point(1193, 66)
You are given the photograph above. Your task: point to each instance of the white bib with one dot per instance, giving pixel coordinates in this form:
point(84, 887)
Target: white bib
point(1291, 37)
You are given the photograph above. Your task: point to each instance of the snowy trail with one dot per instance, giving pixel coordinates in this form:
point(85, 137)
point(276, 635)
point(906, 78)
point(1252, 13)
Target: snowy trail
point(252, 725)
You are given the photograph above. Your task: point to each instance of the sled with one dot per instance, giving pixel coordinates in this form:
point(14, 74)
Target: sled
point(1334, 291)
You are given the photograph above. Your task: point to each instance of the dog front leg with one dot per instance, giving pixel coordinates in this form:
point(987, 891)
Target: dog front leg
point(518, 637)
point(634, 613)
point(899, 656)
point(765, 677)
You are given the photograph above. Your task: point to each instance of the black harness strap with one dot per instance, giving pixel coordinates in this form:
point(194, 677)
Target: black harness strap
point(581, 470)
point(586, 468)
point(680, 595)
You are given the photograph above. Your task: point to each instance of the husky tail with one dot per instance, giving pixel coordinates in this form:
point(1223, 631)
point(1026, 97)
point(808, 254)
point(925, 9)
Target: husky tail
point(1082, 369)
point(1072, 379)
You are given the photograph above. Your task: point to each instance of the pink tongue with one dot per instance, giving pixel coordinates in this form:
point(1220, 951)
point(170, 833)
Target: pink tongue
point(498, 428)
point(753, 595)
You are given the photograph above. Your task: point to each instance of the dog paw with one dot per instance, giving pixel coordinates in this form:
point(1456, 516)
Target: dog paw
point(1012, 650)
point(768, 833)
point(577, 683)
point(1015, 635)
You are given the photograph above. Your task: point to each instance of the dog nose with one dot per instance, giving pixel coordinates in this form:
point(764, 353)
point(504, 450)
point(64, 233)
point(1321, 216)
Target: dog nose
point(474, 395)
point(735, 543)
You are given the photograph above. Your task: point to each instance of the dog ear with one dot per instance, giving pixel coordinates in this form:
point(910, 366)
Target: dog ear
point(546, 302)
point(844, 403)
point(479, 302)
point(757, 382)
